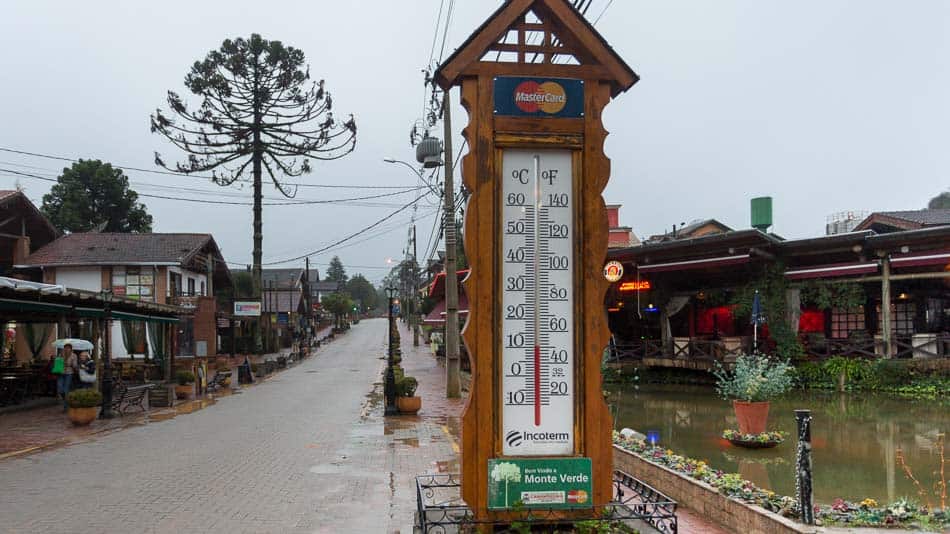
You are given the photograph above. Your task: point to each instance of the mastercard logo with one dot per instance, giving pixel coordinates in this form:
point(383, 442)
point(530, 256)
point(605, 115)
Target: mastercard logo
point(547, 97)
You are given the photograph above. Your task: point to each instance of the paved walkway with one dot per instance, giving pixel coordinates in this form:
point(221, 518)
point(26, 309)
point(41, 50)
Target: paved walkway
point(305, 451)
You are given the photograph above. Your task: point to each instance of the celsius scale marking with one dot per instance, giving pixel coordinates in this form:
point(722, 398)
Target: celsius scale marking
point(537, 303)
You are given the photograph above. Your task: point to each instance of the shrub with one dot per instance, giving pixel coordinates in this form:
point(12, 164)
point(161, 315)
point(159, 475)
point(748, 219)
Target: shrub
point(184, 377)
point(811, 374)
point(84, 398)
point(756, 378)
point(406, 386)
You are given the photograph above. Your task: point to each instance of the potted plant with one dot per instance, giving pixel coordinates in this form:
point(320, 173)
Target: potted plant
point(755, 380)
point(186, 381)
point(406, 400)
point(83, 405)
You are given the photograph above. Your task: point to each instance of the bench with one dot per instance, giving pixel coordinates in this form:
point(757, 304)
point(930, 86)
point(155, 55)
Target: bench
point(125, 396)
point(219, 380)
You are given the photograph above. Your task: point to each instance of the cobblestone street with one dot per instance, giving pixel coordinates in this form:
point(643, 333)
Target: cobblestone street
point(305, 451)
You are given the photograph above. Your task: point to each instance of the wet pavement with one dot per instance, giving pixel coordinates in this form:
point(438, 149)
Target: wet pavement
point(306, 450)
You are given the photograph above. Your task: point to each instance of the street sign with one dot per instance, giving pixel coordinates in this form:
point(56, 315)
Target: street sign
point(552, 483)
point(537, 393)
point(247, 308)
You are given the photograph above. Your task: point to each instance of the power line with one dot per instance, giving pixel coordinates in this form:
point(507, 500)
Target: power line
point(233, 203)
point(196, 176)
point(602, 12)
point(351, 236)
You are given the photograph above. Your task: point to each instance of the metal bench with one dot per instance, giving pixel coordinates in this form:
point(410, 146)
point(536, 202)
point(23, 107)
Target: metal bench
point(126, 396)
point(219, 380)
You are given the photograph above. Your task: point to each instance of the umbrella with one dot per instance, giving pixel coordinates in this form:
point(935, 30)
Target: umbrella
point(78, 344)
point(757, 316)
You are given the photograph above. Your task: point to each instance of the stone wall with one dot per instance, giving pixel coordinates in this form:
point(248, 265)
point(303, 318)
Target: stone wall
point(702, 498)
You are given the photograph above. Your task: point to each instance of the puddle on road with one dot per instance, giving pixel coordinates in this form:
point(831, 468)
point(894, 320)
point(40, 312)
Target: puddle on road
point(180, 409)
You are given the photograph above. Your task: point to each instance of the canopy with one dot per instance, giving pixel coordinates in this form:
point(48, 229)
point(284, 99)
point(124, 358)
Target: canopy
point(437, 316)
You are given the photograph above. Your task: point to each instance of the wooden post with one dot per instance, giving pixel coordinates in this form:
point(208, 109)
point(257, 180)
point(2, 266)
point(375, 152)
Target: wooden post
point(886, 305)
point(537, 327)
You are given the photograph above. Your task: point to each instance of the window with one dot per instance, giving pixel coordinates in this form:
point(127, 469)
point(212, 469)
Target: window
point(191, 287)
point(843, 322)
point(134, 282)
point(902, 319)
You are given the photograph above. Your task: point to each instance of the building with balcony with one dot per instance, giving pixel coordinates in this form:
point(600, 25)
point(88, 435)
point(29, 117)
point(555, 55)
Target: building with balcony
point(176, 269)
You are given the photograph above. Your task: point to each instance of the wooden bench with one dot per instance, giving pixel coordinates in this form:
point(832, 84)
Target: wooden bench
point(125, 396)
point(219, 380)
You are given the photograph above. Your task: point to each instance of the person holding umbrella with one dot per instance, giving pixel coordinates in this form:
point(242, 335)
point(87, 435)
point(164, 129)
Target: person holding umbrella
point(66, 364)
point(66, 367)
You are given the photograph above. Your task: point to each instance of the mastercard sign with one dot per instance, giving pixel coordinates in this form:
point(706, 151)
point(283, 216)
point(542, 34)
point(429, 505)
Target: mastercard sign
point(539, 97)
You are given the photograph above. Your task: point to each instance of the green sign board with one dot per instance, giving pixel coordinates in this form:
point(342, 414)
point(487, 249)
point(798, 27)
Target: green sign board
point(550, 483)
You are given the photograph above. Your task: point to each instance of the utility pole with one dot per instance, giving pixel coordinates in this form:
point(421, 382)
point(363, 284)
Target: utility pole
point(453, 382)
point(414, 320)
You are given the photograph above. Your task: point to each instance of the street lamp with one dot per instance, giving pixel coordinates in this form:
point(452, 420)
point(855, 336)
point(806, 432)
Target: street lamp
point(389, 387)
point(416, 172)
point(106, 412)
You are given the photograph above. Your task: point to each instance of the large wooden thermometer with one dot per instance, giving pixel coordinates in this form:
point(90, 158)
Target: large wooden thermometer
point(537, 317)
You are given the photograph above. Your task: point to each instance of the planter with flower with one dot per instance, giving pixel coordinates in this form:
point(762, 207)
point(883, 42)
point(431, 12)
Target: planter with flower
point(83, 405)
point(751, 385)
point(406, 400)
point(185, 387)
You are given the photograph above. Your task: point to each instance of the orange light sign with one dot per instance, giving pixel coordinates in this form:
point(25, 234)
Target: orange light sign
point(628, 287)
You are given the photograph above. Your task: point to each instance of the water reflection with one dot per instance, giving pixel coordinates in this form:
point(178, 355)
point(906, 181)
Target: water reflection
point(855, 437)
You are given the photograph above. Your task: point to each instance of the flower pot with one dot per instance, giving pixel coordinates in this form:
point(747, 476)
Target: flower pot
point(409, 405)
point(82, 416)
point(184, 392)
point(752, 416)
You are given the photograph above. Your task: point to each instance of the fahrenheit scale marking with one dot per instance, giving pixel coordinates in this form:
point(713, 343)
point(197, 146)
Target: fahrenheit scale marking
point(537, 303)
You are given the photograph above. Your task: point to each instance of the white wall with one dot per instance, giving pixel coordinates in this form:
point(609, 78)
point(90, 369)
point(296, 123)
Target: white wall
point(185, 275)
point(88, 278)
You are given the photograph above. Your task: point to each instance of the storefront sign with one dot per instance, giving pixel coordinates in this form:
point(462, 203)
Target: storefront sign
point(635, 285)
point(613, 271)
point(283, 318)
point(539, 97)
point(550, 483)
point(247, 308)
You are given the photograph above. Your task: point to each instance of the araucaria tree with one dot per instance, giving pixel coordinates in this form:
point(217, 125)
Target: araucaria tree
point(258, 112)
point(92, 195)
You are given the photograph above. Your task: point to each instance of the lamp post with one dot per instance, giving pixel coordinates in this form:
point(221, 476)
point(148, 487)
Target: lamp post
point(389, 387)
point(106, 412)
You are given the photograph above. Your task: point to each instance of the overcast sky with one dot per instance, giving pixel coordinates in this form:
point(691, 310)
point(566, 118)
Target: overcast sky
point(826, 105)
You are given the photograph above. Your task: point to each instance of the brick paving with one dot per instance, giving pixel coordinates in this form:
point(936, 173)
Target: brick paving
point(306, 450)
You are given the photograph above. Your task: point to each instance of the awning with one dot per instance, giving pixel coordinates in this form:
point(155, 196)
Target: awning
point(921, 259)
point(832, 270)
point(29, 306)
point(694, 264)
point(437, 316)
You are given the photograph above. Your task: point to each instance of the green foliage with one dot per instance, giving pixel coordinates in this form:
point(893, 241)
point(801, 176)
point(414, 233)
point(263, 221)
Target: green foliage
point(361, 290)
point(940, 202)
point(335, 271)
point(184, 377)
point(845, 296)
point(91, 194)
point(243, 284)
point(84, 398)
point(755, 378)
point(772, 286)
point(338, 304)
point(851, 368)
point(406, 386)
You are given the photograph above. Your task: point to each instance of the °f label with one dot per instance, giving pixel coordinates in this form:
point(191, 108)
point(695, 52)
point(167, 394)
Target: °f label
point(537, 303)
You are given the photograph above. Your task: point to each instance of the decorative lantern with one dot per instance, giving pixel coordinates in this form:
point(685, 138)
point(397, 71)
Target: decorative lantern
point(429, 152)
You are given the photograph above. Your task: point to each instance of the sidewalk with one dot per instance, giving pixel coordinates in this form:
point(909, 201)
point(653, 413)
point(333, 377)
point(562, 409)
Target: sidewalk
point(429, 441)
point(35, 429)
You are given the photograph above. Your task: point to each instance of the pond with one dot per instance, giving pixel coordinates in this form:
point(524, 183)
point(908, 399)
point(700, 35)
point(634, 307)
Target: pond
point(856, 437)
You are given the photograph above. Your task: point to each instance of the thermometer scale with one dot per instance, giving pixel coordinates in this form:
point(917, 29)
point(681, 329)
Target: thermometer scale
point(537, 303)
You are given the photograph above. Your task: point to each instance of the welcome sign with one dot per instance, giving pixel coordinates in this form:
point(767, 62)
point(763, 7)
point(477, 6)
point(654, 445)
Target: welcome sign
point(549, 483)
point(539, 97)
